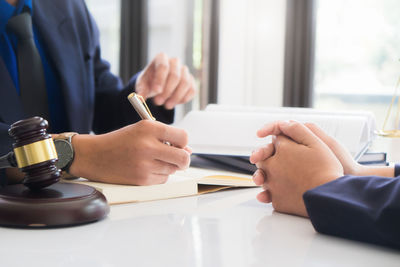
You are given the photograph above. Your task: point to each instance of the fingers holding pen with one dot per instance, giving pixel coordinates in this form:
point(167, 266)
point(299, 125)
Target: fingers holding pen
point(175, 136)
point(173, 155)
point(177, 153)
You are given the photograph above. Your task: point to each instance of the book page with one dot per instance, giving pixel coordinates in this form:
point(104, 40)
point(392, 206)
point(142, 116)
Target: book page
point(181, 184)
point(371, 121)
point(214, 177)
point(118, 194)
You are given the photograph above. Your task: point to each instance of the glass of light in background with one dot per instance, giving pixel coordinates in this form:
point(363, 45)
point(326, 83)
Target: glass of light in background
point(107, 15)
point(357, 51)
point(393, 112)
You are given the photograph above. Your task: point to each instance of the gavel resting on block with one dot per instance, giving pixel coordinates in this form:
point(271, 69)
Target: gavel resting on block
point(40, 201)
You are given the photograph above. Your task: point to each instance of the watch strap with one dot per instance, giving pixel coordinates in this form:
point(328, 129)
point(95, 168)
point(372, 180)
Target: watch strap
point(67, 136)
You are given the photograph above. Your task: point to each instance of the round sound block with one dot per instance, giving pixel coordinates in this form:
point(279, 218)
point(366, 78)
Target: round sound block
point(61, 204)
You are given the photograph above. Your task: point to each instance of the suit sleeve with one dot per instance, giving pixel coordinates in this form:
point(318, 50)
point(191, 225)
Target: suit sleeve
point(365, 209)
point(112, 109)
point(5, 147)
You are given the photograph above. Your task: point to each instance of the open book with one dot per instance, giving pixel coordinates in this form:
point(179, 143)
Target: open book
point(230, 130)
point(190, 182)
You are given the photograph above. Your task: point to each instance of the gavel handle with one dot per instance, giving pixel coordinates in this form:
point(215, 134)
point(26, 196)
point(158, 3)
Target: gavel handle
point(8, 161)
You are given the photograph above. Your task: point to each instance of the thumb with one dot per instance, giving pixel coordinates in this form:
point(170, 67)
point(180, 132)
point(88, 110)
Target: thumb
point(331, 142)
point(299, 133)
point(319, 133)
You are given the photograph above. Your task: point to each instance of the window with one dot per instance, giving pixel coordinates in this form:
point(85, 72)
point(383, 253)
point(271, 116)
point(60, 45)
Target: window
point(357, 54)
point(175, 29)
point(251, 52)
point(108, 16)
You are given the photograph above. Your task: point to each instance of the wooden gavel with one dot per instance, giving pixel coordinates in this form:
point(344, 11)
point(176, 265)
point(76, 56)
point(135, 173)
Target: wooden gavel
point(41, 202)
point(33, 153)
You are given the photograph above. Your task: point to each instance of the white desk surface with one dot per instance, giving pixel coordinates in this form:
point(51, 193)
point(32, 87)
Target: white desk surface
point(223, 229)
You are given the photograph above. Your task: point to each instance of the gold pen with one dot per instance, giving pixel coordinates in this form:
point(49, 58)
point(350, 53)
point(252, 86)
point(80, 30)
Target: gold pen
point(139, 104)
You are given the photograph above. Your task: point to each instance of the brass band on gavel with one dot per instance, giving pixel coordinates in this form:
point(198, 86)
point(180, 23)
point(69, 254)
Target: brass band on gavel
point(36, 152)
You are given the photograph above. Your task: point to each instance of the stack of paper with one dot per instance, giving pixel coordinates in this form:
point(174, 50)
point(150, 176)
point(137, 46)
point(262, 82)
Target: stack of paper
point(226, 130)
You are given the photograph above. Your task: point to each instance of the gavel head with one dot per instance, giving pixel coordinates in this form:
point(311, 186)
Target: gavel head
point(35, 152)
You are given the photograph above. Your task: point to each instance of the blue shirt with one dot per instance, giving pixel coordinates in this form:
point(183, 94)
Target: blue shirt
point(8, 45)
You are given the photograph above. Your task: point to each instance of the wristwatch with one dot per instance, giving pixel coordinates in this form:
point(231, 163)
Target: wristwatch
point(65, 150)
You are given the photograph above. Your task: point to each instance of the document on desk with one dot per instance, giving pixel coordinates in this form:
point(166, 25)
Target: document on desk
point(230, 130)
point(192, 181)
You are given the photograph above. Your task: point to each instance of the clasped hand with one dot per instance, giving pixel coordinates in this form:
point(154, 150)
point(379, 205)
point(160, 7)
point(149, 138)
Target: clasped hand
point(301, 157)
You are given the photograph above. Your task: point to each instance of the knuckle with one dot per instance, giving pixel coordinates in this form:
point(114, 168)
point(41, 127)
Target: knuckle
point(158, 90)
point(145, 181)
point(174, 60)
point(163, 179)
point(296, 126)
point(163, 130)
point(275, 205)
point(174, 75)
point(145, 125)
point(171, 169)
point(184, 160)
point(184, 137)
point(280, 147)
point(190, 94)
point(330, 142)
point(308, 125)
point(312, 126)
point(186, 77)
point(191, 79)
point(148, 145)
point(162, 66)
point(162, 55)
point(185, 83)
point(145, 148)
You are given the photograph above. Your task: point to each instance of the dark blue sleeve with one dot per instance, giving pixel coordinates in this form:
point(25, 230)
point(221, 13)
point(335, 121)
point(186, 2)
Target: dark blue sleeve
point(365, 209)
point(397, 169)
point(5, 147)
point(112, 109)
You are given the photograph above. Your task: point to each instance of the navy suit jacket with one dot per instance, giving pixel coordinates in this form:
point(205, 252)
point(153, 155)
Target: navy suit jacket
point(94, 98)
point(366, 209)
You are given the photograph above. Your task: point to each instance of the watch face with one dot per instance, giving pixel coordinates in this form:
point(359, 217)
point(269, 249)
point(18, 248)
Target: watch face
point(65, 153)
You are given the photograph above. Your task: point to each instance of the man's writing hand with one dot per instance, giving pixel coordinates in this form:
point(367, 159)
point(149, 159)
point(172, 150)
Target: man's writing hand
point(136, 154)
